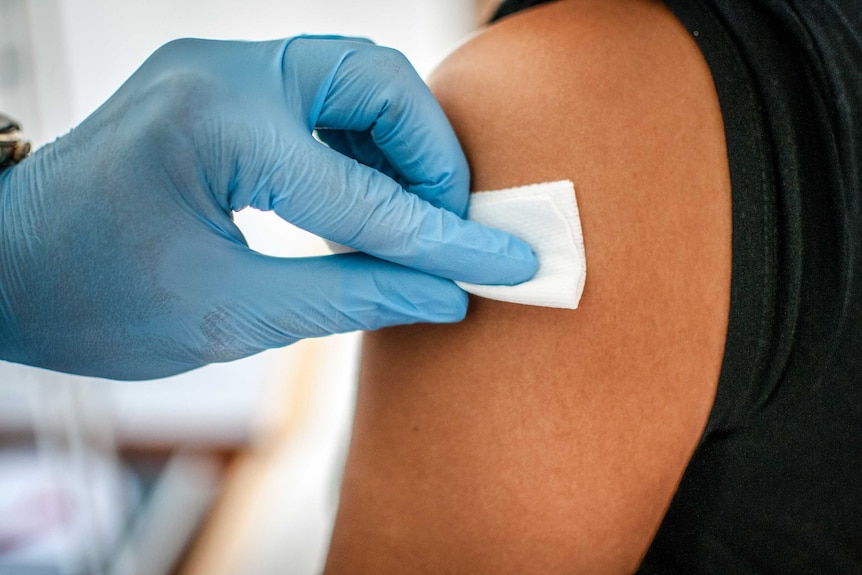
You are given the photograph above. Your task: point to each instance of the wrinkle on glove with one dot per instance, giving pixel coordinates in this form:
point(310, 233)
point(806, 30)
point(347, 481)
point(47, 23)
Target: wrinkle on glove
point(545, 216)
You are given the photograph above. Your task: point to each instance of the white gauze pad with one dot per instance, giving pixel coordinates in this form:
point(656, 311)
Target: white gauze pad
point(546, 217)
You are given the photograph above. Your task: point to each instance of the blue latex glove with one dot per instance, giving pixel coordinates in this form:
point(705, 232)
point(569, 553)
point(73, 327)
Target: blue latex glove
point(118, 253)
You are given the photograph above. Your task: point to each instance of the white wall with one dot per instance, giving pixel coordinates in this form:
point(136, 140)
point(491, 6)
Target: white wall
point(107, 39)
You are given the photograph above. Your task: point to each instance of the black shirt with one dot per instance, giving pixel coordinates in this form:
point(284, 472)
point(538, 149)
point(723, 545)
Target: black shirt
point(775, 485)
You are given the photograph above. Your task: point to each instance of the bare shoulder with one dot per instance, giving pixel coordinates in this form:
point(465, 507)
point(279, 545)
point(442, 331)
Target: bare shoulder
point(551, 441)
point(573, 80)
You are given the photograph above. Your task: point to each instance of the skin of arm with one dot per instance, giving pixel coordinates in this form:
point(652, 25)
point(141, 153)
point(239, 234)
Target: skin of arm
point(535, 440)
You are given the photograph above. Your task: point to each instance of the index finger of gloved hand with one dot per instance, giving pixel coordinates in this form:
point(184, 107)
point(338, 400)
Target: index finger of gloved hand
point(354, 205)
point(376, 89)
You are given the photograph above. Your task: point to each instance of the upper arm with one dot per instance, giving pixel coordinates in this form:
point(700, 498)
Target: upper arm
point(528, 439)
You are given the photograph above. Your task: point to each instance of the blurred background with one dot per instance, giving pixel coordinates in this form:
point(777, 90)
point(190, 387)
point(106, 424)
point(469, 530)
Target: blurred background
point(230, 469)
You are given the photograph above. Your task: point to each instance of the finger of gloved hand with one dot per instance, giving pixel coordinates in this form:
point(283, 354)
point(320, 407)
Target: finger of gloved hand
point(239, 303)
point(359, 207)
point(369, 88)
point(276, 301)
point(361, 147)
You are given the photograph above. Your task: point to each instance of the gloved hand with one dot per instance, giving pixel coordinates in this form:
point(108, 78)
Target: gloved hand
point(118, 253)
